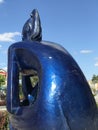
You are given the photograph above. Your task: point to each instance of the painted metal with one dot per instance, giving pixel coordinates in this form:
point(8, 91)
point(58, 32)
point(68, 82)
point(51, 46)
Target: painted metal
point(61, 100)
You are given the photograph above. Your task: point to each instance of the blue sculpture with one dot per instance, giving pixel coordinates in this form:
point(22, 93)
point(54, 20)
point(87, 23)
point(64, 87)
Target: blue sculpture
point(61, 100)
point(32, 28)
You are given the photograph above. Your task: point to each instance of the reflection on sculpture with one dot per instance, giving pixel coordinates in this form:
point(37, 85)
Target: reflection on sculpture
point(61, 99)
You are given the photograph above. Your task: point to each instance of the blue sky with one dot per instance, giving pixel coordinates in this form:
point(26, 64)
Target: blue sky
point(71, 23)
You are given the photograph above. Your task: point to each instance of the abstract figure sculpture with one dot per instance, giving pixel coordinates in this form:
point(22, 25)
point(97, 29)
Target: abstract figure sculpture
point(32, 28)
point(61, 99)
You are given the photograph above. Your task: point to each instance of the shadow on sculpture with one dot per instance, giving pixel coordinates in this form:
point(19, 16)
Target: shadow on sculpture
point(61, 98)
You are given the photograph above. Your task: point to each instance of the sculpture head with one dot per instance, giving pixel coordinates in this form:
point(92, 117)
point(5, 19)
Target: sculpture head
point(32, 30)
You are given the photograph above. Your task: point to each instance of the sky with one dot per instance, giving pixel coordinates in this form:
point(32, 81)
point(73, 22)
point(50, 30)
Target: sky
point(71, 23)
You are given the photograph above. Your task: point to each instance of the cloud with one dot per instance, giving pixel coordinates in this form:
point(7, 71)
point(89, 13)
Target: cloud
point(1, 1)
point(96, 64)
point(9, 37)
point(0, 46)
point(4, 68)
point(96, 58)
point(86, 51)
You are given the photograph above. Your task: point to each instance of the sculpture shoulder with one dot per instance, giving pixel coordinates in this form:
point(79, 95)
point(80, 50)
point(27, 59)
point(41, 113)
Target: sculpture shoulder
point(54, 45)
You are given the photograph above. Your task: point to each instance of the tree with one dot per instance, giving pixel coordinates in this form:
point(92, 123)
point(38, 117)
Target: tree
point(2, 80)
point(95, 79)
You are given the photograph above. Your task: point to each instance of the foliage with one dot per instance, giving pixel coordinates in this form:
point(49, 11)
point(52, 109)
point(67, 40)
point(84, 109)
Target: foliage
point(2, 80)
point(2, 102)
point(3, 120)
point(21, 95)
point(34, 80)
point(95, 79)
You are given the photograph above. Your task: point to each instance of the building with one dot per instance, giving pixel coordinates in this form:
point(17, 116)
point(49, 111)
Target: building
point(3, 72)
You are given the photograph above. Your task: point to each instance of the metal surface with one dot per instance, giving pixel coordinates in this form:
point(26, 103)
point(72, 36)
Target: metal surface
point(32, 28)
point(62, 99)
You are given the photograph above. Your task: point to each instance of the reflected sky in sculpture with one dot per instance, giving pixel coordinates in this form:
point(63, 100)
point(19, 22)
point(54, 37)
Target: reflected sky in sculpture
point(73, 24)
point(53, 86)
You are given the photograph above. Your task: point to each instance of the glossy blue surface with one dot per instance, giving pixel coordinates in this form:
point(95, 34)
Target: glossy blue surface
point(32, 28)
point(64, 100)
